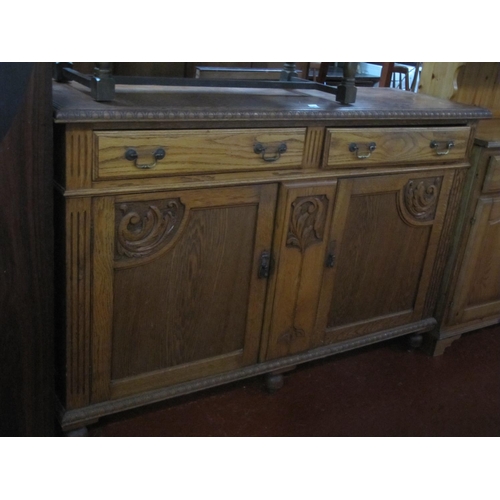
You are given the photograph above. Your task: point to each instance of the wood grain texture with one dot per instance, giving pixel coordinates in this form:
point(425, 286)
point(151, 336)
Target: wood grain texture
point(313, 151)
point(445, 243)
point(183, 294)
point(440, 79)
point(192, 310)
point(103, 242)
point(203, 151)
point(470, 83)
point(417, 202)
point(79, 158)
point(491, 182)
point(478, 289)
point(473, 276)
point(169, 312)
point(377, 244)
point(394, 145)
point(26, 251)
point(236, 107)
point(300, 251)
point(376, 250)
point(78, 320)
point(142, 229)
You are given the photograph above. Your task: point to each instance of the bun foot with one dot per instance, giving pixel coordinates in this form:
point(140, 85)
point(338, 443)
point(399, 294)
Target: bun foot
point(274, 382)
point(414, 341)
point(81, 432)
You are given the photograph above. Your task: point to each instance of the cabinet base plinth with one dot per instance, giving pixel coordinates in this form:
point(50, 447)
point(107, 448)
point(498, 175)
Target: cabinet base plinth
point(76, 418)
point(438, 346)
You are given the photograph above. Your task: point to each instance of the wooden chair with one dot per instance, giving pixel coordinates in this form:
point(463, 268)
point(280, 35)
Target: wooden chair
point(398, 76)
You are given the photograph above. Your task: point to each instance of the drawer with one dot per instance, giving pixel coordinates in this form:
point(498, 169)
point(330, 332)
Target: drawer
point(491, 182)
point(364, 147)
point(131, 154)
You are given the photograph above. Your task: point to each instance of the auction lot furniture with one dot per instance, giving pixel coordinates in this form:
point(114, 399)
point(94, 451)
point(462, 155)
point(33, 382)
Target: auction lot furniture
point(473, 298)
point(206, 235)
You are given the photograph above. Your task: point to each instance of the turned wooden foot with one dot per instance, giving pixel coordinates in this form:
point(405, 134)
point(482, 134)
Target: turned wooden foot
point(414, 341)
point(81, 432)
point(274, 381)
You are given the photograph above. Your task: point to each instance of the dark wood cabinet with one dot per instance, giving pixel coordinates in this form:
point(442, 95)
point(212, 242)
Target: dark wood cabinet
point(212, 235)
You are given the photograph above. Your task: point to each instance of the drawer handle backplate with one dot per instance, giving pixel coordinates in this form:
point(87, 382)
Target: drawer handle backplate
point(261, 149)
point(354, 148)
point(131, 155)
point(448, 144)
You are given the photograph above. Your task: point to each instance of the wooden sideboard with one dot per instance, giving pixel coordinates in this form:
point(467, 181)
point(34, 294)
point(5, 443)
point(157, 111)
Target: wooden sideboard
point(209, 235)
point(472, 291)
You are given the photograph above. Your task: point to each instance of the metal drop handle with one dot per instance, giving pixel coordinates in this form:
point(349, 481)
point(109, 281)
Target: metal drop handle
point(259, 148)
point(448, 144)
point(354, 148)
point(131, 155)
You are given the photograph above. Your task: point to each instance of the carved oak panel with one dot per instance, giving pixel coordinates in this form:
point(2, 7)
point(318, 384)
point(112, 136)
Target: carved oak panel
point(387, 231)
point(184, 299)
point(143, 228)
point(307, 221)
point(296, 285)
point(420, 198)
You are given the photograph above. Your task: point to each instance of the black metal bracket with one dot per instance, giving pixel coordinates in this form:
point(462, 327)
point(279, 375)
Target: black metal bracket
point(102, 83)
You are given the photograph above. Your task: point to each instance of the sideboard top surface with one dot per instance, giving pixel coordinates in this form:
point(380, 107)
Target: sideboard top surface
point(227, 106)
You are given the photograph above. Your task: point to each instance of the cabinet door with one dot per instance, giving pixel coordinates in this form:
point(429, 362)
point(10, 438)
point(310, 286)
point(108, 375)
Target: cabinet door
point(477, 295)
point(383, 244)
point(177, 292)
point(300, 244)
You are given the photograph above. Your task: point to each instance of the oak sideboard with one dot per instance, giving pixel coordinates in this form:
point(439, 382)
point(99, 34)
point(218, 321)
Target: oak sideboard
point(471, 298)
point(206, 235)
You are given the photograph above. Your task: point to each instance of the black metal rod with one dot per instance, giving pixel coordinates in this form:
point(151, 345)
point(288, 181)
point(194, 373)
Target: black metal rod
point(72, 74)
point(296, 83)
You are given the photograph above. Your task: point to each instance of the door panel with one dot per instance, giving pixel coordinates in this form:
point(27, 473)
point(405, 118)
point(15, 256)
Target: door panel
point(478, 287)
point(300, 247)
point(187, 301)
point(386, 232)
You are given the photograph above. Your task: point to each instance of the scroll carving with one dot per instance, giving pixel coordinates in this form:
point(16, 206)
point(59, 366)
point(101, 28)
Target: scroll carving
point(307, 221)
point(145, 228)
point(290, 335)
point(420, 198)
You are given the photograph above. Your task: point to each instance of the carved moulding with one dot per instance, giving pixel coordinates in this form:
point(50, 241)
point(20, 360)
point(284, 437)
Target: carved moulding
point(307, 221)
point(144, 228)
point(418, 200)
point(71, 419)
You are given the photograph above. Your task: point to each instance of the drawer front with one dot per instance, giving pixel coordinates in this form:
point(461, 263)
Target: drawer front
point(492, 179)
point(365, 147)
point(131, 154)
